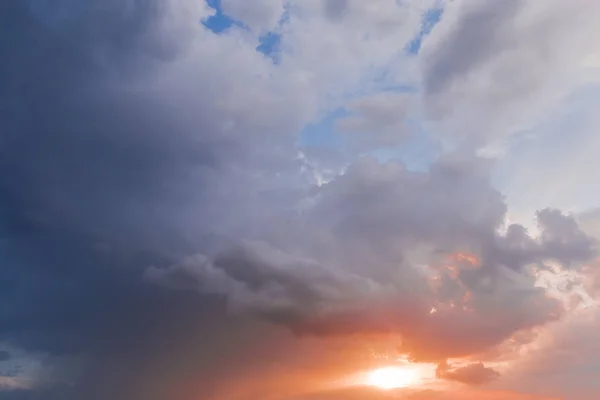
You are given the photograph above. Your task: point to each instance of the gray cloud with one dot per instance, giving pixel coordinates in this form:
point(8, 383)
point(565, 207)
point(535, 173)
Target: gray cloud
point(352, 262)
point(563, 238)
point(478, 35)
point(334, 9)
point(377, 121)
point(261, 16)
point(116, 129)
point(495, 68)
point(4, 355)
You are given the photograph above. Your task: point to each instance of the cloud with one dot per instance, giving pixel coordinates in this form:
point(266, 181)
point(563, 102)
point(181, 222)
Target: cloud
point(495, 68)
point(119, 124)
point(10, 384)
point(351, 48)
point(564, 354)
point(560, 233)
point(262, 16)
point(4, 355)
point(377, 121)
point(334, 9)
point(472, 374)
point(590, 222)
point(312, 274)
point(162, 238)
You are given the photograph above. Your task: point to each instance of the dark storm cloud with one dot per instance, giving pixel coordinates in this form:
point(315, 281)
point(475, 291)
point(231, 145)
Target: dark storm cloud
point(73, 147)
point(99, 173)
point(84, 165)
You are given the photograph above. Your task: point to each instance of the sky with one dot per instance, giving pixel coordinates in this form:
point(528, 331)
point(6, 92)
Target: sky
point(299, 200)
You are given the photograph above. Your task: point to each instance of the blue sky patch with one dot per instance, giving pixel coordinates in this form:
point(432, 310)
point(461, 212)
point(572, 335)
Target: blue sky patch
point(430, 20)
point(269, 45)
point(323, 132)
point(220, 22)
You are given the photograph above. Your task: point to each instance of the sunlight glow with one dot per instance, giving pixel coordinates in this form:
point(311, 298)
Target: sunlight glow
point(391, 377)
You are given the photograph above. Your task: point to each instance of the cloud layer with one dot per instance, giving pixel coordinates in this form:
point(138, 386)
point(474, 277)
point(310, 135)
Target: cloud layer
point(168, 232)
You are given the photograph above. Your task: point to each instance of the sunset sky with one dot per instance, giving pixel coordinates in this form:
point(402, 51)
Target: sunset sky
point(299, 199)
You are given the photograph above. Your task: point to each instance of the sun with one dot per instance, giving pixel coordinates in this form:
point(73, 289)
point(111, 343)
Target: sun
point(391, 377)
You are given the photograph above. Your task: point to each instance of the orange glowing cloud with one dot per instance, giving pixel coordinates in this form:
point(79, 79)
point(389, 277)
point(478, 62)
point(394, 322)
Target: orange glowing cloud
point(464, 259)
